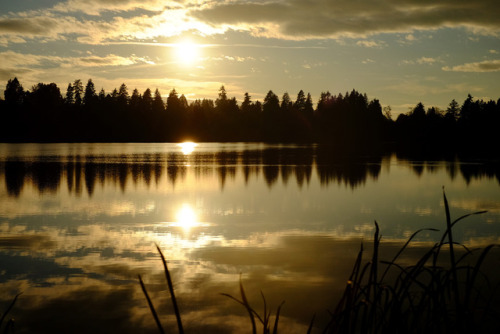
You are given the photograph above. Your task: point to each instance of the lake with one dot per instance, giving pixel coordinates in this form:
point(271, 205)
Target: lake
point(79, 222)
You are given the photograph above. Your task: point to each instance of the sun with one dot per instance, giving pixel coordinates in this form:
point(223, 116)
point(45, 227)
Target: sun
point(186, 52)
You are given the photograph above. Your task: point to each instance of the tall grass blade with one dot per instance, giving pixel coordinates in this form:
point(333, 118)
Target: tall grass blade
point(309, 329)
point(9, 327)
point(275, 327)
point(459, 219)
point(151, 307)
point(452, 256)
point(171, 289)
point(247, 306)
point(266, 316)
point(401, 250)
point(474, 274)
point(9, 308)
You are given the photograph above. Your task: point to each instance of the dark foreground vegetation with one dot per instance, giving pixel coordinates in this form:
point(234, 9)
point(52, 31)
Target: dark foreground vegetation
point(444, 291)
point(349, 120)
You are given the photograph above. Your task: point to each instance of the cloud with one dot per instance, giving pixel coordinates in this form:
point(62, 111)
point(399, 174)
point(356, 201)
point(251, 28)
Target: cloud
point(95, 7)
point(370, 44)
point(483, 66)
point(420, 61)
point(14, 59)
point(109, 60)
point(28, 26)
point(49, 25)
point(298, 20)
point(410, 37)
point(292, 20)
point(426, 60)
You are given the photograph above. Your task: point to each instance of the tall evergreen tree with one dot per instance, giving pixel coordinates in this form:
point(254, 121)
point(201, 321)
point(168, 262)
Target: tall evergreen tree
point(77, 91)
point(69, 99)
point(90, 95)
point(158, 105)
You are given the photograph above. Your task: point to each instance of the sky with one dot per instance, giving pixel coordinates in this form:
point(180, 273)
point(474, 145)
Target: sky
point(401, 52)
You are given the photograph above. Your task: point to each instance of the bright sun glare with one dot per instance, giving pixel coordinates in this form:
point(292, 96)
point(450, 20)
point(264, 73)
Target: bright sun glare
point(187, 147)
point(186, 217)
point(187, 52)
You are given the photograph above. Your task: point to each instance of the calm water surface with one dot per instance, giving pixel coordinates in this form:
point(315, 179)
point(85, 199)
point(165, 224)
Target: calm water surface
point(79, 222)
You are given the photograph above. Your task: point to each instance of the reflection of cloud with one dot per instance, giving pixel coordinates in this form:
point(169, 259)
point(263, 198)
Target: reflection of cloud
point(88, 309)
point(26, 241)
point(91, 272)
point(419, 211)
point(476, 205)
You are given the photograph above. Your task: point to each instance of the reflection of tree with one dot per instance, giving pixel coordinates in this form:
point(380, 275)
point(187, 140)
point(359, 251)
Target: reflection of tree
point(47, 175)
point(15, 172)
point(271, 166)
point(227, 161)
point(275, 164)
point(176, 166)
point(78, 175)
point(122, 175)
point(70, 174)
point(346, 169)
point(90, 170)
point(250, 160)
point(157, 167)
point(477, 171)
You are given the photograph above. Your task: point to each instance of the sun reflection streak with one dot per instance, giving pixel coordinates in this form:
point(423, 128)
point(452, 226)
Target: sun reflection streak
point(187, 147)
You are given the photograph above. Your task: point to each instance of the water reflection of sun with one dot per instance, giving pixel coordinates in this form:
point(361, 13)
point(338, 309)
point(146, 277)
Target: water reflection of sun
point(186, 217)
point(187, 147)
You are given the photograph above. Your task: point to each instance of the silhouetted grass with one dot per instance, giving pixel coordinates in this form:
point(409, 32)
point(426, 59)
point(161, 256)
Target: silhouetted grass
point(265, 319)
point(10, 323)
point(172, 295)
point(423, 297)
point(433, 295)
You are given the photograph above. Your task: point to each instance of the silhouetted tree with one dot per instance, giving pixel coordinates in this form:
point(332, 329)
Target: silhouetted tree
point(286, 103)
point(272, 128)
point(102, 95)
point(90, 96)
point(123, 97)
point(147, 101)
point(14, 93)
point(77, 91)
point(135, 101)
point(453, 110)
point(349, 121)
point(157, 104)
point(46, 97)
point(69, 98)
point(246, 104)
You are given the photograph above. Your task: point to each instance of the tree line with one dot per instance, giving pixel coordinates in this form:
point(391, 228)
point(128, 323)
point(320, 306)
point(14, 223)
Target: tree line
point(350, 120)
